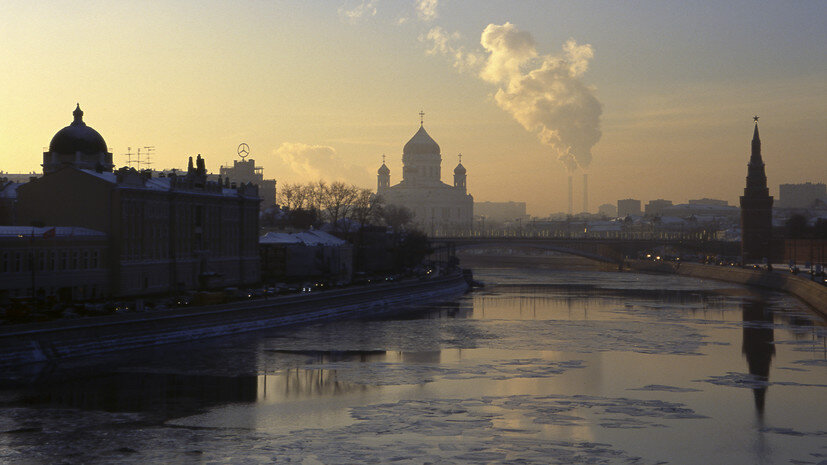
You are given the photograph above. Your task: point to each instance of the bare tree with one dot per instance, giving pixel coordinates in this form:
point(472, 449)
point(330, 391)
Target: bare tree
point(316, 195)
point(397, 217)
point(366, 208)
point(338, 201)
point(293, 196)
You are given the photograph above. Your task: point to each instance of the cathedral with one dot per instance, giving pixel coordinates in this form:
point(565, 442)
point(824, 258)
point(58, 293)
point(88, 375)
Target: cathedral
point(438, 208)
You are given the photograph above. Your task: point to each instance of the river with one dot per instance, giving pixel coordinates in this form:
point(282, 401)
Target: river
point(539, 366)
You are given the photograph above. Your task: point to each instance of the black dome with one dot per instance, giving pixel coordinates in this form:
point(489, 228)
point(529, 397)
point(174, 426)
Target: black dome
point(77, 137)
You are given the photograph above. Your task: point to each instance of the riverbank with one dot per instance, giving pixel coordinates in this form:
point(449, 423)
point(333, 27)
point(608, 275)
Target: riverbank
point(57, 340)
point(814, 294)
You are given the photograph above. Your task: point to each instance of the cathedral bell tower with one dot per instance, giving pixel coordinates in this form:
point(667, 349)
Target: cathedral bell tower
point(756, 207)
point(383, 177)
point(459, 176)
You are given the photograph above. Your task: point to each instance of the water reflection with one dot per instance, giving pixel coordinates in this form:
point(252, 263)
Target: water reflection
point(757, 346)
point(164, 394)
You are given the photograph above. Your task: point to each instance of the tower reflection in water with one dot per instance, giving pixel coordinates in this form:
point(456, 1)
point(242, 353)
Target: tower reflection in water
point(758, 346)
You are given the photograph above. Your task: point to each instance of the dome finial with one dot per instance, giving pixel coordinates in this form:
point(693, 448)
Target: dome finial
point(421, 118)
point(78, 113)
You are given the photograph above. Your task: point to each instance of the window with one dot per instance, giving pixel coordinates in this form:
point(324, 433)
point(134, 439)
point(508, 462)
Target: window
point(85, 261)
point(4, 263)
point(95, 257)
point(74, 264)
point(63, 259)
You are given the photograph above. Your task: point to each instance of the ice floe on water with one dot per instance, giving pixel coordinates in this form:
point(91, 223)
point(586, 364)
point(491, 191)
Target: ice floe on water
point(749, 381)
point(659, 387)
point(397, 373)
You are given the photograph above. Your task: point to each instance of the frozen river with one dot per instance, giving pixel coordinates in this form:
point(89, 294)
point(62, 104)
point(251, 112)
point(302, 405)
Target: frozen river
point(540, 366)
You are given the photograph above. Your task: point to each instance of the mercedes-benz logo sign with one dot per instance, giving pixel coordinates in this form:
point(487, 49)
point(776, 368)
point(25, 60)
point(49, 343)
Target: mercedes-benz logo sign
point(243, 150)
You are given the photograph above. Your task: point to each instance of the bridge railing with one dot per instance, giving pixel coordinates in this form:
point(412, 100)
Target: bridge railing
point(670, 236)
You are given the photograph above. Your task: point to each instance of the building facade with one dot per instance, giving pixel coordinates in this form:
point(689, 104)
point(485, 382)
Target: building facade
point(163, 234)
point(756, 207)
point(655, 207)
point(244, 172)
point(628, 207)
point(803, 195)
point(438, 208)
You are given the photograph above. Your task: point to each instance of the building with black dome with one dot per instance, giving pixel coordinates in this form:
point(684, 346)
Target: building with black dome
point(164, 233)
point(77, 145)
point(438, 208)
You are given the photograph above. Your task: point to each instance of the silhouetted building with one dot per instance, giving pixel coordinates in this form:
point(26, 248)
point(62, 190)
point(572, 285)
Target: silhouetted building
point(607, 209)
point(803, 195)
point(64, 263)
point(710, 202)
point(164, 233)
point(437, 207)
point(655, 207)
point(246, 171)
point(628, 207)
point(756, 207)
point(501, 211)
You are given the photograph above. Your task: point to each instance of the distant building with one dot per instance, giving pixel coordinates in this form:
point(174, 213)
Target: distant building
point(246, 171)
point(307, 254)
point(501, 211)
point(655, 207)
point(756, 207)
point(607, 209)
point(803, 195)
point(711, 202)
point(437, 207)
point(628, 207)
point(8, 199)
point(163, 234)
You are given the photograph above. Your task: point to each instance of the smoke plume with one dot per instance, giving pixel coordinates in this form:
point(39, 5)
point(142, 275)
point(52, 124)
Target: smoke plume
point(544, 93)
point(302, 162)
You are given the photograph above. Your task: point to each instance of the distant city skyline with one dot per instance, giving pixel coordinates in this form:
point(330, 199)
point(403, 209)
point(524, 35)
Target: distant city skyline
point(666, 90)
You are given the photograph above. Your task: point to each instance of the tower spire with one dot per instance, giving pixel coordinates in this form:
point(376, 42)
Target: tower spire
point(421, 118)
point(78, 114)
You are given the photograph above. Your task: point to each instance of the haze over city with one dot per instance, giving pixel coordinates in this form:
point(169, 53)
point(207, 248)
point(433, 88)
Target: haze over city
point(651, 99)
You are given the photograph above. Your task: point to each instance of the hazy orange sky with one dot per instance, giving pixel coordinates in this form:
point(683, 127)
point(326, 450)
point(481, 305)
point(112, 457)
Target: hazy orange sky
point(659, 94)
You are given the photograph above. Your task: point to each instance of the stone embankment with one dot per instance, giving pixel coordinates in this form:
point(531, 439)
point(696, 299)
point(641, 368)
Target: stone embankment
point(63, 339)
point(812, 293)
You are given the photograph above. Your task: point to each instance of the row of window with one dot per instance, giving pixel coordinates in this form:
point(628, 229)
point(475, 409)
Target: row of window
point(49, 260)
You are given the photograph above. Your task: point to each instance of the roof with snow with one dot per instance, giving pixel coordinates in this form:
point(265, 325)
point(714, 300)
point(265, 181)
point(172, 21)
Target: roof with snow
point(311, 237)
point(29, 232)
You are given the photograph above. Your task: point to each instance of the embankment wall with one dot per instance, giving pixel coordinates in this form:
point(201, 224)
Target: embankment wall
point(812, 293)
point(53, 341)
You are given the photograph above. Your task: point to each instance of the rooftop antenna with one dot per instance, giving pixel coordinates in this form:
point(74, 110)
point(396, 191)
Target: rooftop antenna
point(148, 150)
point(129, 156)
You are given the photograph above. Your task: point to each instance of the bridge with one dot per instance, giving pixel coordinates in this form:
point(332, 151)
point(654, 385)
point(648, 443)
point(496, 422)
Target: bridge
point(606, 249)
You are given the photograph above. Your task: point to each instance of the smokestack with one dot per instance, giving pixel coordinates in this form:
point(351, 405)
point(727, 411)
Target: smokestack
point(585, 192)
point(571, 206)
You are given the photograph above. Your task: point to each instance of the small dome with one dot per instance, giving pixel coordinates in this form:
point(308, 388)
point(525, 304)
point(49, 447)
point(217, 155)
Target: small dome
point(77, 137)
point(459, 169)
point(421, 144)
point(384, 169)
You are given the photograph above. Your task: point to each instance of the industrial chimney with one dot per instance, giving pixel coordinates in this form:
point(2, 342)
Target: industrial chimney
point(585, 193)
point(571, 205)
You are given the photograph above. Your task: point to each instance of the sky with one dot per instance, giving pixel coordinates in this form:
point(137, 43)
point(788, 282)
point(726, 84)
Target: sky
point(653, 99)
